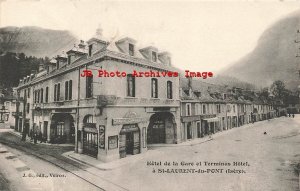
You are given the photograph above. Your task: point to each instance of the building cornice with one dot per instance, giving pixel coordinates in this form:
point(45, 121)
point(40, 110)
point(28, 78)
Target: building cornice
point(104, 55)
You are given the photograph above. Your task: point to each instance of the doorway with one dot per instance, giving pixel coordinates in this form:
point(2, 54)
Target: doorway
point(189, 130)
point(90, 143)
point(129, 140)
point(198, 129)
point(45, 130)
point(161, 128)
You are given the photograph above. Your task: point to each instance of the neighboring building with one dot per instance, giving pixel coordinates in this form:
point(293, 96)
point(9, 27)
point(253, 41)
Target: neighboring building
point(10, 105)
point(109, 117)
point(202, 111)
point(7, 111)
point(105, 117)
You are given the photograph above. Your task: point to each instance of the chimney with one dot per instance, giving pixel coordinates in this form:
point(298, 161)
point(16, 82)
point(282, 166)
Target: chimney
point(190, 82)
point(81, 44)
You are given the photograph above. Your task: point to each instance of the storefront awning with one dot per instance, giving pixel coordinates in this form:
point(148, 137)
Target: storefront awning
point(215, 119)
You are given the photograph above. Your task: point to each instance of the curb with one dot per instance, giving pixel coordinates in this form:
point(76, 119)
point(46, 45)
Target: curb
point(89, 164)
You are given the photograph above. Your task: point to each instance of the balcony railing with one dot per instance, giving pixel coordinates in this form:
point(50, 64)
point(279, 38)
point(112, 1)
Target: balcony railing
point(103, 100)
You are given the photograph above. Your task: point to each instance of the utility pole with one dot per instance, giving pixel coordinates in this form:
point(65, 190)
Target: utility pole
point(297, 41)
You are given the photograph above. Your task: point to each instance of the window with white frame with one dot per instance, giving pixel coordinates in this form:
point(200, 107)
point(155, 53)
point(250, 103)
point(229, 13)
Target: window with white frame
point(60, 128)
point(198, 109)
point(204, 109)
point(154, 88)
point(188, 109)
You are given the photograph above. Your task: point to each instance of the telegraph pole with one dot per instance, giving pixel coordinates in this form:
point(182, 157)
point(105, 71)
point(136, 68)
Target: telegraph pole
point(297, 41)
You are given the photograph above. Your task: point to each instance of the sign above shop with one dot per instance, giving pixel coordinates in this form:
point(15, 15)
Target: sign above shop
point(122, 121)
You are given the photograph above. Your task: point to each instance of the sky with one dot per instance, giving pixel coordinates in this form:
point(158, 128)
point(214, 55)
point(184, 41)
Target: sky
point(200, 35)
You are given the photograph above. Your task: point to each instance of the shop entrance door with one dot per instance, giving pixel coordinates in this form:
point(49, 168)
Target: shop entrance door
point(198, 129)
point(129, 143)
point(45, 130)
point(90, 146)
point(189, 130)
point(129, 140)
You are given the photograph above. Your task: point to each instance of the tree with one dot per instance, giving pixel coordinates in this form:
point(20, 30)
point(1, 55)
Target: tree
point(278, 89)
point(264, 93)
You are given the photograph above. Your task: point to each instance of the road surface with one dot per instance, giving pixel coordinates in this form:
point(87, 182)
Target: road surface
point(263, 162)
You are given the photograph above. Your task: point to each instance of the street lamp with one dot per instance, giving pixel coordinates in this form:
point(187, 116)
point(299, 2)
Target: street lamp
point(2, 111)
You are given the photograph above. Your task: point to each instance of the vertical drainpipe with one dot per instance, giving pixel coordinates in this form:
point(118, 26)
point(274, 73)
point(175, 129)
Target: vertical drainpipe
point(78, 101)
point(238, 124)
point(24, 113)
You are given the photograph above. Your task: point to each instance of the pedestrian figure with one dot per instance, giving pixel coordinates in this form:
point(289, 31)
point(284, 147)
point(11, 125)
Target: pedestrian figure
point(293, 115)
point(265, 133)
point(23, 136)
point(31, 135)
point(289, 115)
point(41, 137)
point(35, 137)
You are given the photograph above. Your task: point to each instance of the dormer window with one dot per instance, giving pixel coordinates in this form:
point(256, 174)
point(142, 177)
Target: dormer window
point(198, 94)
point(187, 92)
point(131, 49)
point(57, 65)
point(154, 56)
point(90, 49)
point(69, 59)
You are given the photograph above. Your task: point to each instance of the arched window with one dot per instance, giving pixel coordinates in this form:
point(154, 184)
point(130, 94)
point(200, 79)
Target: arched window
point(154, 88)
point(88, 119)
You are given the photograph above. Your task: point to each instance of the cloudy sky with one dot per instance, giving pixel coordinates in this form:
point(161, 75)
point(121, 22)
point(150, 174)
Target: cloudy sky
point(200, 35)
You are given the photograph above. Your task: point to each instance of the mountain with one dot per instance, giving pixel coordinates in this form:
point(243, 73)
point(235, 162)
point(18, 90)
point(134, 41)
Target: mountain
point(274, 57)
point(35, 41)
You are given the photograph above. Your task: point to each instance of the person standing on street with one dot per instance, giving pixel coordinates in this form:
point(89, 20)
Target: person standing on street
point(35, 137)
point(31, 135)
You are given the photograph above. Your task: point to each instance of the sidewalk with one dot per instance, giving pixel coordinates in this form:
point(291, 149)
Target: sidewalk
point(152, 149)
point(28, 139)
point(190, 142)
point(93, 162)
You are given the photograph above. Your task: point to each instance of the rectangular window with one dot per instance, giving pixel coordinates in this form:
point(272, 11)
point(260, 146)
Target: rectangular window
point(28, 107)
point(169, 90)
point(204, 109)
point(70, 90)
point(154, 56)
point(218, 108)
point(58, 92)
point(197, 109)
point(28, 93)
point(130, 86)
point(57, 65)
point(154, 88)
point(66, 90)
point(38, 96)
point(69, 59)
point(234, 109)
point(55, 90)
point(34, 96)
point(90, 49)
point(47, 92)
point(228, 108)
point(42, 95)
point(131, 49)
point(89, 87)
point(188, 109)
